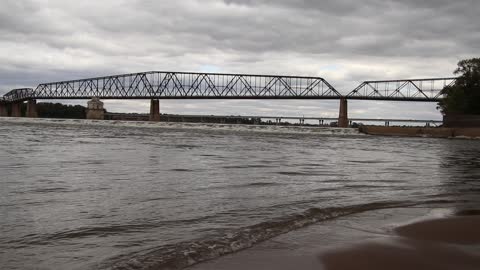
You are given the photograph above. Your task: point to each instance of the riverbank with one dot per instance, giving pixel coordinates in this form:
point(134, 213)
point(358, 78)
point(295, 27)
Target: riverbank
point(422, 132)
point(400, 238)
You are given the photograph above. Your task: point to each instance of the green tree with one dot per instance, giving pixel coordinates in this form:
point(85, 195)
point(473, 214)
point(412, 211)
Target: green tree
point(463, 96)
point(57, 110)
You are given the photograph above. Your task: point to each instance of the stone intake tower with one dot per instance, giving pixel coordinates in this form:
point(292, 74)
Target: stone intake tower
point(95, 109)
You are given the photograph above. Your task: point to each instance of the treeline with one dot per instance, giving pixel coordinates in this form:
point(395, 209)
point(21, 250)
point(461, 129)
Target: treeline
point(57, 110)
point(463, 97)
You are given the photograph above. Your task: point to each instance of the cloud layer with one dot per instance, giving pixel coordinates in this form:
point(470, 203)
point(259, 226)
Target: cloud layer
point(343, 41)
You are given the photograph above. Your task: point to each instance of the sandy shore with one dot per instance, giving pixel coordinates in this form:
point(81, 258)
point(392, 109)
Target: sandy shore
point(421, 245)
point(414, 238)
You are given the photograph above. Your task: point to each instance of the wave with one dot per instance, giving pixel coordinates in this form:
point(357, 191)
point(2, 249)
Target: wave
point(248, 166)
point(102, 230)
point(246, 185)
point(181, 255)
point(260, 184)
point(197, 126)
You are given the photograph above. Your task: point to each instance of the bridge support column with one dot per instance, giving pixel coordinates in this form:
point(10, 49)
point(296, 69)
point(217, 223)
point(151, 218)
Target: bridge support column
point(154, 110)
point(3, 110)
point(16, 109)
point(32, 108)
point(95, 109)
point(343, 114)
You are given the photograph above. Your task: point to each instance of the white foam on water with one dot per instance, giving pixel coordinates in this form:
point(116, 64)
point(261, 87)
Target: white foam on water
point(186, 125)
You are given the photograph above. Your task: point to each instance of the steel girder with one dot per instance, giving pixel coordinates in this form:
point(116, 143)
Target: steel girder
point(18, 95)
point(406, 90)
point(182, 85)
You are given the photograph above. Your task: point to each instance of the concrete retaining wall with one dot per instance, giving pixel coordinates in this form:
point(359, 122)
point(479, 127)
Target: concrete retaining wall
point(421, 131)
point(466, 132)
point(461, 121)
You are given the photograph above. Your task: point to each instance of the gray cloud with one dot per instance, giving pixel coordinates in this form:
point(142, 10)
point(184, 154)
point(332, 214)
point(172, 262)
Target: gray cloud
point(344, 41)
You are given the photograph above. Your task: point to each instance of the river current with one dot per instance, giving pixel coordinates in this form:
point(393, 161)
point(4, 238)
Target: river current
point(79, 194)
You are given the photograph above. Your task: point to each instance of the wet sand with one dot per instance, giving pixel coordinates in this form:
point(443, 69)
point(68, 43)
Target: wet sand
point(413, 238)
point(456, 230)
point(423, 245)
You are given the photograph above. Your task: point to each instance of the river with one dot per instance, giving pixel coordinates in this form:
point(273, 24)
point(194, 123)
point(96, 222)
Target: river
point(79, 194)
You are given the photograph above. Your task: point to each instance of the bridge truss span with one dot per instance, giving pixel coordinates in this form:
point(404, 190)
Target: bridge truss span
point(18, 94)
point(184, 85)
point(402, 90)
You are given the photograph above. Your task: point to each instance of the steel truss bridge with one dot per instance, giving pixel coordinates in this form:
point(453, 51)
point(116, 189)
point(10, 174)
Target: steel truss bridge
point(407, 90)
point(185, 85)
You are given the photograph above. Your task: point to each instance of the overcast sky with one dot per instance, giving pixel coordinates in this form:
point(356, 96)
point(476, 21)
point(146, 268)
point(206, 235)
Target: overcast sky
point(343, 41)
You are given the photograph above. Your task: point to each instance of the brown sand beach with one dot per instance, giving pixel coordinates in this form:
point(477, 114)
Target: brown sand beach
point(413, 238)
point(423, 245)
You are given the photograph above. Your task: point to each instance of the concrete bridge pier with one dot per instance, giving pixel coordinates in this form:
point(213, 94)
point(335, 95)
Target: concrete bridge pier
point(16, 109)
point(343, 114)
point(32, 108)
point(3, 110)
point(154, 110)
